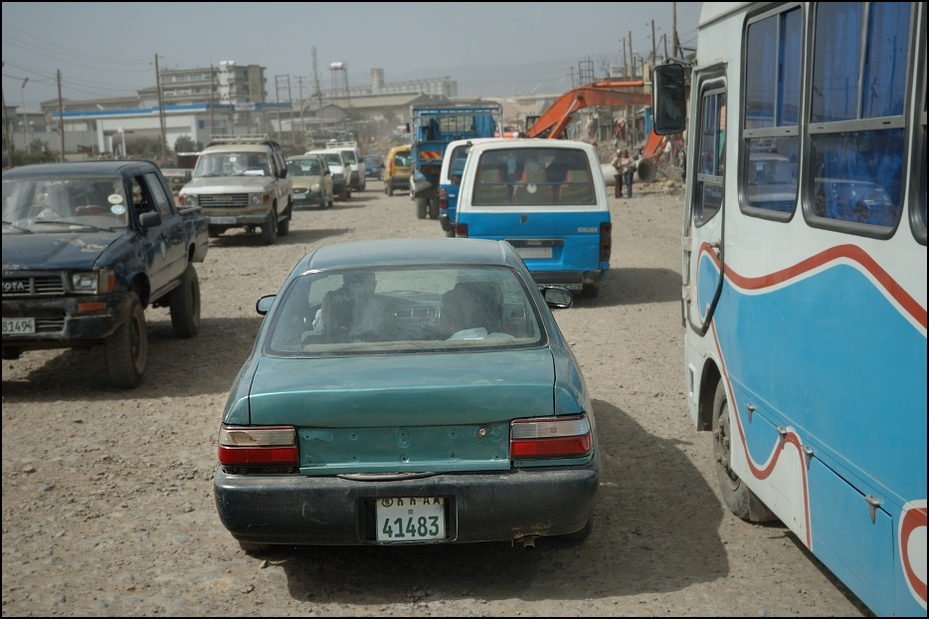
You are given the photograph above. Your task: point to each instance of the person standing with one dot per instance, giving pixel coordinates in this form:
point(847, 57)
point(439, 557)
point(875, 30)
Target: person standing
point(628, 166)
point(617, 174)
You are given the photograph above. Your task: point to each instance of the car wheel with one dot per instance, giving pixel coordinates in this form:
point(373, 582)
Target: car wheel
point(580, 536)
point(738, 498)
point(389, 189)
point(127, 349)
point(590, 291)
point(346, 194)
point(421, 207)
point(253, 547)
point(269, 228)
point(433, 208)
point(185, 305)
point(283, 227)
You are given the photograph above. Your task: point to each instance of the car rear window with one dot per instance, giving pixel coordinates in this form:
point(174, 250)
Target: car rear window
point(404, 310)
point(533, 176)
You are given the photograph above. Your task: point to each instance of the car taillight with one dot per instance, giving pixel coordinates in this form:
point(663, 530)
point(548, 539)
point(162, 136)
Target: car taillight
point(443, 199)
point(606, 241)
point(550, 437)
point(461, 231)
point(256, 446)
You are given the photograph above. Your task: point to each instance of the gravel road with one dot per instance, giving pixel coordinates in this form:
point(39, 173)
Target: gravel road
point(107, 495)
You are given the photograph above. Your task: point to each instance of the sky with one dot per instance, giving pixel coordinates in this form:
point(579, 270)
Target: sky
point(491, 49)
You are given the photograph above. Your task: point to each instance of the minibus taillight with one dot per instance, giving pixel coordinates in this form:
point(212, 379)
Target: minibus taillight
point(606, 241)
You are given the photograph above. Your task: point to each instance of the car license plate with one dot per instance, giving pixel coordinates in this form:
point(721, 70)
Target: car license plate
point(534, 252)
point(16, 326)
point(222, 220)
point(410, 519)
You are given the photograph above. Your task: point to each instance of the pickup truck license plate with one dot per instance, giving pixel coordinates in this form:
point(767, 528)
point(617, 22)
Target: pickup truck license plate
point(410, 519)
point(16, 326)
point(534, 252)
point(222, 220)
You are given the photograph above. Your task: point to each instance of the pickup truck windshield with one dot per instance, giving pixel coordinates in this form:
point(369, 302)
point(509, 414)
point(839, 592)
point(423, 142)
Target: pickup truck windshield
point(96, 202)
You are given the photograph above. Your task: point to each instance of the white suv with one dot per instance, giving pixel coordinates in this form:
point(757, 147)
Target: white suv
point(240, 181)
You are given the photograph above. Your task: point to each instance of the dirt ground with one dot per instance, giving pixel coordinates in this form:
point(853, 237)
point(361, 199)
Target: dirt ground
point(107, 495)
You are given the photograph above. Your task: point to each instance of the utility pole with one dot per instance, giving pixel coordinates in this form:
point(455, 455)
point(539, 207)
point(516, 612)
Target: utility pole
point(7, 128)
point(654, 53)
point(61, 118)
point(161, 115)
point(675, 44)
point(319, 93)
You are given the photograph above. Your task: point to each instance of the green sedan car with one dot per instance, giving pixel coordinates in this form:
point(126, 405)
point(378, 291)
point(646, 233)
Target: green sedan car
point(409, 391)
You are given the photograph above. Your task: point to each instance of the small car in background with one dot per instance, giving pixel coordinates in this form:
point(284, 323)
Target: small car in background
point(399, 169)
point(374, 166)
point(341, 171)
point(408, 391)
point(312, 181)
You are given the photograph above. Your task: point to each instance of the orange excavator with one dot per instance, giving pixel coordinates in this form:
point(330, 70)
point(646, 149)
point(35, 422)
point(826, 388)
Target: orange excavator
point(553, 121)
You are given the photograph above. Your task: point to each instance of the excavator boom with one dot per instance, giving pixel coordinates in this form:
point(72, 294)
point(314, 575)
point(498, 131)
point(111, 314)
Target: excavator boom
point(552, 123)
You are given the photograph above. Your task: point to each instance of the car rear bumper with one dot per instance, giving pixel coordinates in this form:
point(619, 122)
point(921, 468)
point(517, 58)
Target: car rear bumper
point(486, 506)
point(572, 280)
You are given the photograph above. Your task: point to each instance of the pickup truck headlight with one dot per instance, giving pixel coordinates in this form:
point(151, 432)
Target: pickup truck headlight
point(255, 199)
point(187, 200)
point(93, 282)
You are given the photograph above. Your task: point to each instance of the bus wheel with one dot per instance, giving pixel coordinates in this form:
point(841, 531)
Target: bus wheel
point(738, 498)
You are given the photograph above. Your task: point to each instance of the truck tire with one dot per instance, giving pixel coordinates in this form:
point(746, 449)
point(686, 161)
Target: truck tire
point(127, 349)
point(389, 189)
point(269, 228)
point(283, 227)
point(421, 207)
point(433, 208)
point(185, 304)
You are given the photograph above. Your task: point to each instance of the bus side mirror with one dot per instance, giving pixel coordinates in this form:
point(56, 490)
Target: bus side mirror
point(668, 99)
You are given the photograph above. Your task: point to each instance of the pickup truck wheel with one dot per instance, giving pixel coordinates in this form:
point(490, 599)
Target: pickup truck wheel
point(127, 348)
point(433, 208)
point(283, 227)
point(269, 228)
point(421, 207)
point(185, 305)
point(389, 189)
point(590, 291)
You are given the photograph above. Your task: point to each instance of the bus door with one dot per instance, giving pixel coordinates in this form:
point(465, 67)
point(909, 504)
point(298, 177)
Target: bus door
point(703, 234)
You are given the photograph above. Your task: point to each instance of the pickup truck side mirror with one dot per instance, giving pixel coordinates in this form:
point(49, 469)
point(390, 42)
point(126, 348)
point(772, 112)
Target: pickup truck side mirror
point(150, 219)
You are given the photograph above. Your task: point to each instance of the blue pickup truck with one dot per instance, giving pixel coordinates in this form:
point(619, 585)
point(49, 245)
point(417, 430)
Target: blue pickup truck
point(86, 248)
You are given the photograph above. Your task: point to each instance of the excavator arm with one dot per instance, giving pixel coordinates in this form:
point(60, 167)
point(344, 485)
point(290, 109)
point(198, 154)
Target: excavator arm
point(551, 124)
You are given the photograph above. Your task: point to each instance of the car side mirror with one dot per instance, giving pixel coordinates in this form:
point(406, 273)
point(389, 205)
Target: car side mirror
point(560, 298)
point(263, 305)
point(150, 219)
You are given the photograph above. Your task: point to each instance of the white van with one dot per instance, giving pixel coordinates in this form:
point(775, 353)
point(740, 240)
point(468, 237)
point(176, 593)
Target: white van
point(357, 179)
point(548, 199)
point(456, 153)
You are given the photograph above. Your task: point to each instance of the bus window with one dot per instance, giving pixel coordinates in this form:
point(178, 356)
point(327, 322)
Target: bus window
point(771, 113)
point(859, 143)
point(711, 156)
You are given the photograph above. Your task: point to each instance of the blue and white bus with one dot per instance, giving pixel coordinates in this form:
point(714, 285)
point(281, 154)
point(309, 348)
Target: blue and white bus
point(804, 275)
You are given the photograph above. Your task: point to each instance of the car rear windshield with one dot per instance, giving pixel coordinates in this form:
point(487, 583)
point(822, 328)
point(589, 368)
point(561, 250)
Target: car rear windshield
point(404, 310)
point(533, 176)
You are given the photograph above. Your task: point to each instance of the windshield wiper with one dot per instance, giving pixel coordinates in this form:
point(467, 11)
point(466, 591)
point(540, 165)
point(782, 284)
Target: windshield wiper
point(12, 225)
point(64, 222)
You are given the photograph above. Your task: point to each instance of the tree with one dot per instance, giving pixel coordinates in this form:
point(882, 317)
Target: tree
point(186, 144)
